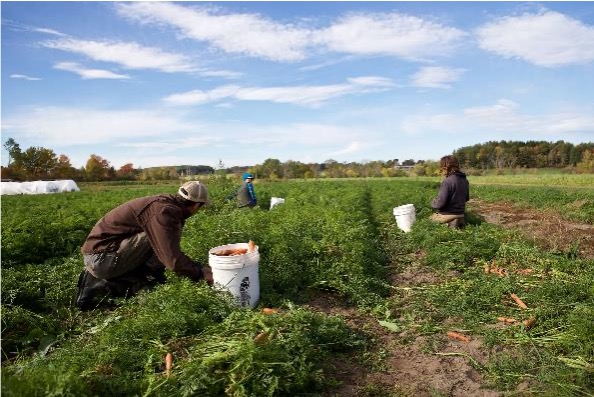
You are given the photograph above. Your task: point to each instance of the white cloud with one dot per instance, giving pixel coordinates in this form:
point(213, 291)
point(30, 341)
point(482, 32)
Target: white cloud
point(393, 34)
point(436, 77)
point(172, 144)
point(17, 26)
point(504, 117)
point(128, 55)
point(57, 126)
point(49, 31)
point(88, 74)
point(299, 95)
point(547, 39)
point(353, 147)
point(253, 35)
point(24, 77)
point(248, 34)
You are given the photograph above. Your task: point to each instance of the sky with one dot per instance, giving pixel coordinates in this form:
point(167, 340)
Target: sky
point(171, 83)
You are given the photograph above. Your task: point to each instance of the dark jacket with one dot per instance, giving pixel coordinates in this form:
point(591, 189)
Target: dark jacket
point(453, 195)
point(162, 217)
point(246, 195)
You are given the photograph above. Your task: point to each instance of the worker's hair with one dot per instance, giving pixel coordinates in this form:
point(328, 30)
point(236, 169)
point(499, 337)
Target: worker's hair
point(185, 202)
point(449, 164)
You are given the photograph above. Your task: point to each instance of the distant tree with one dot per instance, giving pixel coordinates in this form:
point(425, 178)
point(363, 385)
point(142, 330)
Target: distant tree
point(271, 168)
point(586, 166)
point(126, 172)
point(63, 168)
point(13, 149)
point(96, 168)
point(36, 162)
point(408, 162)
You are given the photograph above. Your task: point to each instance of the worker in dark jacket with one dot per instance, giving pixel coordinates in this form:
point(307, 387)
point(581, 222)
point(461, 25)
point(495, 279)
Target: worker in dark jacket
point(246, 195)
point(130, 247)
point(452, 196)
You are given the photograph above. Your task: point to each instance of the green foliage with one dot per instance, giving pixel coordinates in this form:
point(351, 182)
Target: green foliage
point(261, 355)
point(337, 236)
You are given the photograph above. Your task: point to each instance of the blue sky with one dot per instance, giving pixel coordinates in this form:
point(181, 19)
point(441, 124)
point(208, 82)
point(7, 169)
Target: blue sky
point(160, 83)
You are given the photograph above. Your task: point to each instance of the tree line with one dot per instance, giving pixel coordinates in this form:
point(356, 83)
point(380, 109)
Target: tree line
point(531, 154)
point(37, 163)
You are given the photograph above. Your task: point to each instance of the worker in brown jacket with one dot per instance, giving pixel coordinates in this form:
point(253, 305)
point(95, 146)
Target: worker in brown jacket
point(130, 247)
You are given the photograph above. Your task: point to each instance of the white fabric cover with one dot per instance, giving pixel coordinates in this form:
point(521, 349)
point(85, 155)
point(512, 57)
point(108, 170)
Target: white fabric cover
point(39, 187)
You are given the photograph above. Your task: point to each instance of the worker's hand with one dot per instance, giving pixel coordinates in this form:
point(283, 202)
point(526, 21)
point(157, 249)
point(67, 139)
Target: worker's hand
point(207, 273)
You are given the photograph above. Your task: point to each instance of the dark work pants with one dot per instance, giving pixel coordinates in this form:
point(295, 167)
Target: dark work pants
point(119, 274)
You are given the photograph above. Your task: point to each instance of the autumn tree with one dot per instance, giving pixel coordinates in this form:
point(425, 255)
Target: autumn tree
point(126, 172)
point(586, 166)
point(36, 162)
point(64, 169)
point(96, 168)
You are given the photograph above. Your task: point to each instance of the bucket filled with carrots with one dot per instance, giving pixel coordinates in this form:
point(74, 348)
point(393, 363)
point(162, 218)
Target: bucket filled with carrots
point(235, 269)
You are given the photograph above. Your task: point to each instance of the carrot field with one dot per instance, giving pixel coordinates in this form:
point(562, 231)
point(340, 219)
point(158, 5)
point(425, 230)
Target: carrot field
point(333, 240)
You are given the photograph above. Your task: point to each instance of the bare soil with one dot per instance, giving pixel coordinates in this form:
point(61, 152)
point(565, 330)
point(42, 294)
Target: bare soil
point(407, 364)
point(545, 228)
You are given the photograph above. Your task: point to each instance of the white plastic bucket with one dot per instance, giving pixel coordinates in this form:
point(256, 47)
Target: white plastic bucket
point(237, 274)
point(405, 216)
point(275, 201)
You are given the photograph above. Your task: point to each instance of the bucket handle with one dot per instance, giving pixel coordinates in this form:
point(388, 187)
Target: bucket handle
point(224, 286)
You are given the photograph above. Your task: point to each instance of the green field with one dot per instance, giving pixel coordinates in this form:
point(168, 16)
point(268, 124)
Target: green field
point(334, 237)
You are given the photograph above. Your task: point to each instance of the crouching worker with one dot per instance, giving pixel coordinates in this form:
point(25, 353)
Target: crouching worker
point(245, 194)
point(452, 196)
point(130, 247)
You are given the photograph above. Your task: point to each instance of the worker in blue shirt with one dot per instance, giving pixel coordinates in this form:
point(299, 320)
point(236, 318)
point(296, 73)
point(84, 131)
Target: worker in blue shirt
point(246, 195)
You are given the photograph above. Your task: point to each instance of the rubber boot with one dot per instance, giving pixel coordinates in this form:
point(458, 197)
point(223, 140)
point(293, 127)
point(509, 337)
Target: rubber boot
point(458, 223)
point(90, 289)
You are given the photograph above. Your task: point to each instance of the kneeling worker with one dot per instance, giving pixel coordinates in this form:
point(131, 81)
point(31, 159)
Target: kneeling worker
point(130, 247)
point(452, 196)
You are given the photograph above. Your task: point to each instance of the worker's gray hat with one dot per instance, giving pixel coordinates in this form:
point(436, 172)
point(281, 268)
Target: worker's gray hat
point(194, 191)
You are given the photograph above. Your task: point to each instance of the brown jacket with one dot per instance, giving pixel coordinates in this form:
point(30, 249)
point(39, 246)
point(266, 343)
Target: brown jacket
point(162, 217)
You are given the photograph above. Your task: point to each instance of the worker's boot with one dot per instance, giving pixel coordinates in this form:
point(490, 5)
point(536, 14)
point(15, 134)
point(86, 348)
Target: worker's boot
point(90, 289)
point(458, 223)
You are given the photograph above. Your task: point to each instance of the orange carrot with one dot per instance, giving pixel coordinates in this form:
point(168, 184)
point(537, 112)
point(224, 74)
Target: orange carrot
point(268, 310)
point(507, 320)
point(519, 301)
point(238, 251)
point(458, 336)
point(526, 271)
point(168, 364)
point(529, 322)
point(251, 246)
point(261, 338)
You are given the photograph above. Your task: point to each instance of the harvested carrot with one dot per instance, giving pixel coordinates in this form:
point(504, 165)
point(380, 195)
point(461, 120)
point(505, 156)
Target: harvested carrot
point(251, 246)
point(261, 338)
point(526, 271)
point(507, 320)
point(238, 251)
point(519, 301)
point(501, 272)
point(268, 310)
point(458, 336)
point(168, 364)
point(529, 322)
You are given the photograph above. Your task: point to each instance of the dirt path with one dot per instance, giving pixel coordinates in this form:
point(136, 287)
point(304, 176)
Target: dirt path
point(544, 227)
point(410, 365)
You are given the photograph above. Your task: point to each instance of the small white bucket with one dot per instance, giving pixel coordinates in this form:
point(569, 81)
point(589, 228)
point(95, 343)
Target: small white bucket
point(237, 274)
point(405, 216)
point(275, 201)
